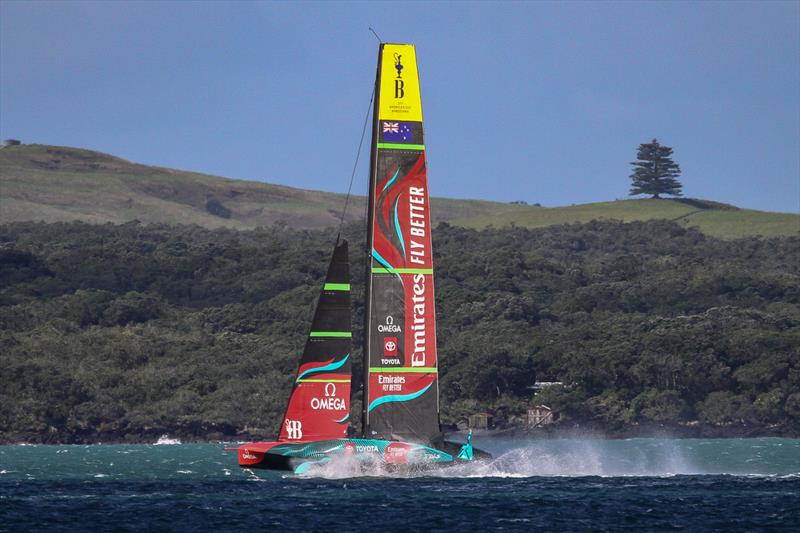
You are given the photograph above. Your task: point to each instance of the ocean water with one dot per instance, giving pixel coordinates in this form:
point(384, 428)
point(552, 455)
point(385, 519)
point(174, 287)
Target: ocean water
point(550, 485)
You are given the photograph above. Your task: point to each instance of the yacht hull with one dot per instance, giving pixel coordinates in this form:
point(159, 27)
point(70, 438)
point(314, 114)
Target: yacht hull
point(300, 456)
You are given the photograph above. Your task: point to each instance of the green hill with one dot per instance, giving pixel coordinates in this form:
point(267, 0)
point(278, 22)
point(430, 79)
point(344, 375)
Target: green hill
point(125, 332)
point(51, 184)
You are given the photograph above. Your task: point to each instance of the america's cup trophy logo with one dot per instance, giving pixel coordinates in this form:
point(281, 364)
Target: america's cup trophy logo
point(398, 65)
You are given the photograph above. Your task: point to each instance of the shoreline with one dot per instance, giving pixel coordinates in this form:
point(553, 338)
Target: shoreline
point(544, 433)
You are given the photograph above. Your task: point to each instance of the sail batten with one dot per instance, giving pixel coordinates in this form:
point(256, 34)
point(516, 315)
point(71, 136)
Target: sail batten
point(401, 376)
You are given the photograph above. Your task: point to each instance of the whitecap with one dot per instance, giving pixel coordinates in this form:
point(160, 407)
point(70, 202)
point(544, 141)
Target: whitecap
point(165, 439)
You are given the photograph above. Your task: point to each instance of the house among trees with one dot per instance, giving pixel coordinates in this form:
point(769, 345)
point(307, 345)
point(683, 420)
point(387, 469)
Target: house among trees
point(480, 421)
point(11, 142)
point(541, 385)
point(539, 415)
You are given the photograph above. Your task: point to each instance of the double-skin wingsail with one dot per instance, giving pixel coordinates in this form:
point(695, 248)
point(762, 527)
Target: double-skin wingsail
point(402, 396)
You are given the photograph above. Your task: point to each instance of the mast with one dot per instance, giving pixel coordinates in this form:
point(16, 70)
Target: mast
point(373, 157)
point(401, 390)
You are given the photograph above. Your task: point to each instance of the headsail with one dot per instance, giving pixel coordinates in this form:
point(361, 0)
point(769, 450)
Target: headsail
point(319, 407)
point(402, 399)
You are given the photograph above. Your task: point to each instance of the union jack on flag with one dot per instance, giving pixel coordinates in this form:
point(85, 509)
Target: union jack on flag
point(394, 132)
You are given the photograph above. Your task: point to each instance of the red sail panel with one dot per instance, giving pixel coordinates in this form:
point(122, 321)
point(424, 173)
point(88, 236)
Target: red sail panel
point(319, 406)
point(402, 379)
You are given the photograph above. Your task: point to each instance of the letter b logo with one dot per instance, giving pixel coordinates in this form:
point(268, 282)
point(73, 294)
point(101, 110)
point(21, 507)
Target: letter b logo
point(294, 429)
point(399, 92)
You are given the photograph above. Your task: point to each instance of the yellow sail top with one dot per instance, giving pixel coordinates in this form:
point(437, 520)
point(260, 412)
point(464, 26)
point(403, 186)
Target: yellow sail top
point(399, 85)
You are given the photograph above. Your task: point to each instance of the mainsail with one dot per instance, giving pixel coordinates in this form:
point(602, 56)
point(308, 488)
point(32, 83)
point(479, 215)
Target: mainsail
point(401, 380)
point(319, 407)
point(401, 390)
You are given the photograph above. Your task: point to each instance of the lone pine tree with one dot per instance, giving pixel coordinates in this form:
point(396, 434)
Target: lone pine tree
point(654, 171)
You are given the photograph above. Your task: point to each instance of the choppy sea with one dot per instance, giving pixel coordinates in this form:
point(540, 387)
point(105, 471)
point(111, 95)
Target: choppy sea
point(531, 485)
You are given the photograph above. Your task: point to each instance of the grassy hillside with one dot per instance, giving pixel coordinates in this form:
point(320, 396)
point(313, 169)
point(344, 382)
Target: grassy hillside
point(51, 184)
point(713, 218)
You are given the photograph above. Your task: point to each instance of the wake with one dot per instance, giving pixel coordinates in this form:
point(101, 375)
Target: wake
point(568, 458)
point(574, 459)
point(581, 457)
point(548, 458)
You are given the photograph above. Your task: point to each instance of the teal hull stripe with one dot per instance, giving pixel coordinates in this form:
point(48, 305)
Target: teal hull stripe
point(303, 468)
point(341, 420)
point(330, 334)
point(397, 398)
point(336, 365)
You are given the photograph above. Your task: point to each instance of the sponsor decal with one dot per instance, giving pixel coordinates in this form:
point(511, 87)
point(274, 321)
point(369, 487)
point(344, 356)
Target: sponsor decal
point(349, 448)
point(247, 455)
point(401, 132)
point(390, 346)
point(417, 254)
point(294, 429)
point(396, 453)
point(330, 402)
point(411, 386)
point(391, 383)
point(330, 389)
point(416, 216)
point(418, 326)
point(389, 326)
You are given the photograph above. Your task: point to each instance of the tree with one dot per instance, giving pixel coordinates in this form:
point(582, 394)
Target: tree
point(655, 172)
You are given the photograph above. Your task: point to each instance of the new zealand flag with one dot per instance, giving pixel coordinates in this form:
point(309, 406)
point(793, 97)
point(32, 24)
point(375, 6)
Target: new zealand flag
point(398, 132)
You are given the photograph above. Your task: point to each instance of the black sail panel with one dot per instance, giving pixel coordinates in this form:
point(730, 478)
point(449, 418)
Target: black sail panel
point(319, 407)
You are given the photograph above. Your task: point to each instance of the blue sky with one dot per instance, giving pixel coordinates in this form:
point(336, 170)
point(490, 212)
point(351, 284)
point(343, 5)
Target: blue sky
point(542, 102)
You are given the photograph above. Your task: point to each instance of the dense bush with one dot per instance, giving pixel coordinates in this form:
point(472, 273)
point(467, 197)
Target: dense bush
point(108, 331)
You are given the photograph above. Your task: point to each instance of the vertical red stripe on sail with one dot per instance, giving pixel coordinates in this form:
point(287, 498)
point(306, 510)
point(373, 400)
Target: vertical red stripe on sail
point(402, 394)
point(402, 226)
